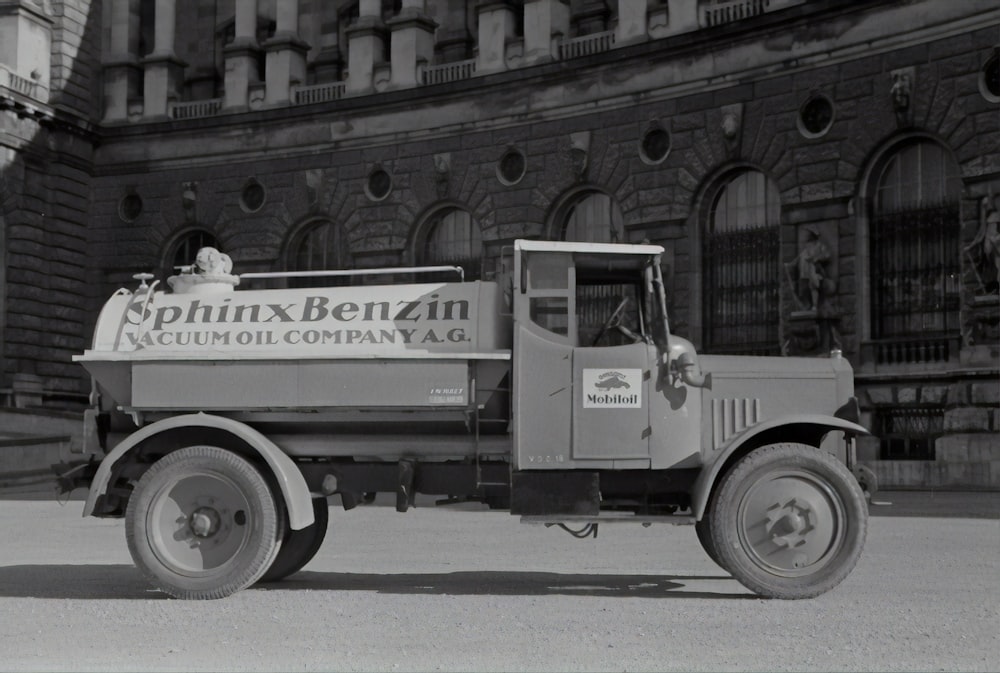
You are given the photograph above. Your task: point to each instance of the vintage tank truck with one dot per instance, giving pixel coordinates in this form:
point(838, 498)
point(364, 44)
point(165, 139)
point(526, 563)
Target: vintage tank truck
point(557, 392)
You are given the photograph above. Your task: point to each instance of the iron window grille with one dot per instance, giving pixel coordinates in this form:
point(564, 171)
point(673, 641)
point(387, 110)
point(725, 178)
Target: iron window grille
point(908, 432)
point(915, 283)
point(741, 278)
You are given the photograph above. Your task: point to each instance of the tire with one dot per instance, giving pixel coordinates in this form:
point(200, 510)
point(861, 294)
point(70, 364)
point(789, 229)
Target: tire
point(202, 523)
point(300, 546)
point(788, 521)
point(704, 531)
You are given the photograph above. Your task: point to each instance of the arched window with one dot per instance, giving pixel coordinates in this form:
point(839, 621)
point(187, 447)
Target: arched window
point(321, 246)
point(740, 267)
point(453, 238)
point(594, 218)
point(185, 248)
point(914, 255)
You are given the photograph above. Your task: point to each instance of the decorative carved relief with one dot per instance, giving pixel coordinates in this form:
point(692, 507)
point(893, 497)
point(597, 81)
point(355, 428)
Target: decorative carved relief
point(579, 150)
point(903, 81)
point(812, 328)
point(442, 173)
point(189, 201)
point(732, 126)
point(984, 250)
point(809, 275)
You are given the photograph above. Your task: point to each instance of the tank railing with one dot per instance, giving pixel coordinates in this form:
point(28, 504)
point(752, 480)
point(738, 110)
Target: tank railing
point(383, 271)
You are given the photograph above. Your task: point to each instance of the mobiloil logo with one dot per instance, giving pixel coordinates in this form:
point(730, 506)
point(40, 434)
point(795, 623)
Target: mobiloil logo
point(612, 388)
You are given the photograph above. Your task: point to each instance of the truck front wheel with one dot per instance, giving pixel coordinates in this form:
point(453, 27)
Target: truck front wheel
point(788, 521)
point(202, 523)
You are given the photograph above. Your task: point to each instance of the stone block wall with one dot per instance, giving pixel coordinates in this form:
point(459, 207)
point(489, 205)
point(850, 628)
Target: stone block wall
point(967, 448)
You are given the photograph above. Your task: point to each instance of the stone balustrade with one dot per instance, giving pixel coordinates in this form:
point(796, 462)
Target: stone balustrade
point(409, 37)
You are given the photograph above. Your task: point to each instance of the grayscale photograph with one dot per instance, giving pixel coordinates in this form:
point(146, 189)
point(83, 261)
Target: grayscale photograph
point(499, 335)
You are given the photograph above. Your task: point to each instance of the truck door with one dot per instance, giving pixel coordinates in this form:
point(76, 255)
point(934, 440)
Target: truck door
point(581, 382)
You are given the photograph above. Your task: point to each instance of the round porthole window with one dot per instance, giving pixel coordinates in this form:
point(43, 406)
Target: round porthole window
point(253, 196)
point(815, 117)
point(655, 145)
point(130, 207)
point(379, 184)
point(989, 78)
point(512, 167)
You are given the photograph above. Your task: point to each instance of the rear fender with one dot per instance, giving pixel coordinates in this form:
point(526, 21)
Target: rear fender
point(813, 426)
point(292, 484)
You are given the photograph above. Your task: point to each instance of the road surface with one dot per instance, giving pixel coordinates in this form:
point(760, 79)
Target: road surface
point(441, 589)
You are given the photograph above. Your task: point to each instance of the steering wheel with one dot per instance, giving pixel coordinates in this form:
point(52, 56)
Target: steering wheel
point(615, 321)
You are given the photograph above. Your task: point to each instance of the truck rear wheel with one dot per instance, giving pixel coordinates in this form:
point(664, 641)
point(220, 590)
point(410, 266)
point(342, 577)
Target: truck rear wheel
point(300, 546)
point(788, 521)
point(202, 523)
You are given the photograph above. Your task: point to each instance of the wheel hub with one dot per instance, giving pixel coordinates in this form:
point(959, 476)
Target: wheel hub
point(204, 522)
point(789, 524)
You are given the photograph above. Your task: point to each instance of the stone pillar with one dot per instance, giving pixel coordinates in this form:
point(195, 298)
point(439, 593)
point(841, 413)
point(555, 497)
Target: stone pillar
point(411, 42)
point(365, 47)
point(163, 71)
point(241, 56)
point(545, 23)
point(286, 54)
point(631, 22)
point(496, 27)
point(121, 64)
point(682, 16)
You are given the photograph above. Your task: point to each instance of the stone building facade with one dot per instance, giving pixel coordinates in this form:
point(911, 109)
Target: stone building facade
point(823, 174)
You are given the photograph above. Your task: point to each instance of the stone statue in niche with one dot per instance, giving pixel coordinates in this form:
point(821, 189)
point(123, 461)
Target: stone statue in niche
point(579, 153)
point(813, 285)
point(812, 328)
point(900, 92)
point(189, 201)
point(986, 246)
point(442, 173)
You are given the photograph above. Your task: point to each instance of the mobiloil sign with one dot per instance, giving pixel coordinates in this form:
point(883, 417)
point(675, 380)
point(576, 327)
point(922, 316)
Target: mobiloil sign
point(612, 388)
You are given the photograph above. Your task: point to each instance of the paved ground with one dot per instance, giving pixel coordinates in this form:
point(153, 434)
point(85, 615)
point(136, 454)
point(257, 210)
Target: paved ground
point(472, 590)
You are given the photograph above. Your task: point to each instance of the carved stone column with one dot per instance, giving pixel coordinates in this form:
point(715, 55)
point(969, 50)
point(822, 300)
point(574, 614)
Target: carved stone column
point(411, 42)
point(632, 18)
point(121, 63)
point(545, 23)
point(286, 54)
point(496, 27)
point(241, 56)
point(365, 47)
point(163, 72)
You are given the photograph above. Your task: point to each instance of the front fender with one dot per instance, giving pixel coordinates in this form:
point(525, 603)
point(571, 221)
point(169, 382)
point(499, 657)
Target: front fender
point(817, 423)
point(293, 486)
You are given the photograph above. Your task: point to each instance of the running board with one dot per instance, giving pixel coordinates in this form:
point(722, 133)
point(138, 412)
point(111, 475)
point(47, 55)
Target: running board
point(609, 517)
